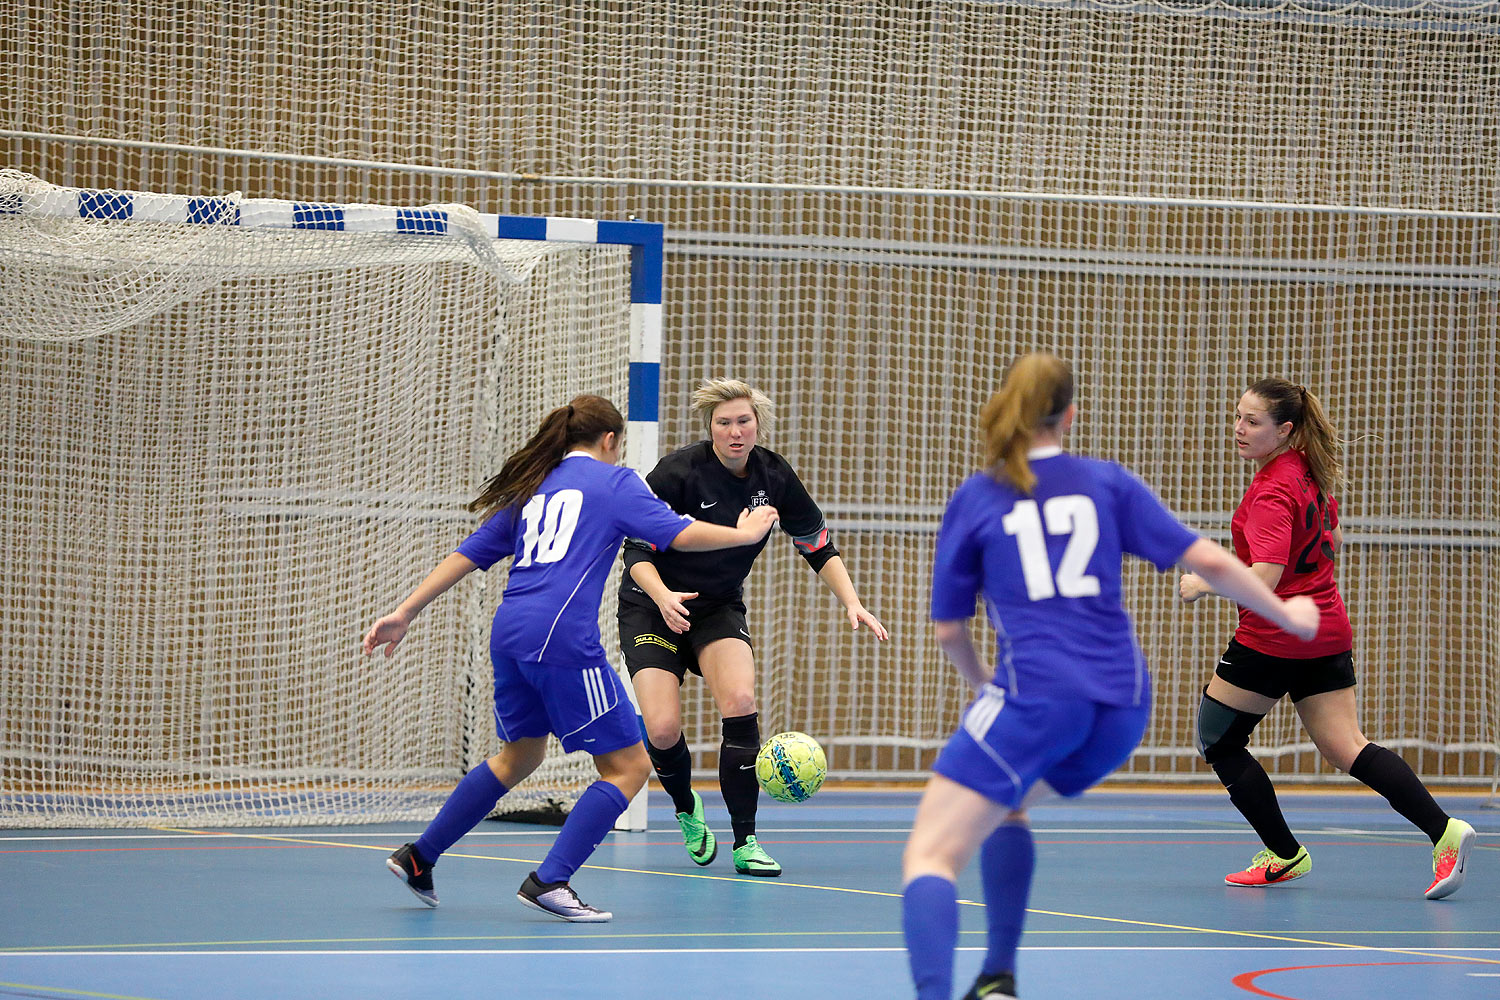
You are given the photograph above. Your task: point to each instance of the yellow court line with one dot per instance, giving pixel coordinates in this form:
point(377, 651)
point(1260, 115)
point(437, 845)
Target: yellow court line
point(611, 936)
point(430, 938)
point(896, 895)
point(1268, 937)
point(73, 993)
point(745, 880)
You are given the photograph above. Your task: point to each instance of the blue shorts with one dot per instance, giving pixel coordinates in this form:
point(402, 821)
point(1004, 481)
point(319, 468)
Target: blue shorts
point(587, 709)
point(1007, 744)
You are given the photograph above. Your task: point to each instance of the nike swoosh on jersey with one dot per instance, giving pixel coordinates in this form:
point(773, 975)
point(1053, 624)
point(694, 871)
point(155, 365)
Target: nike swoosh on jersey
point(705, 506)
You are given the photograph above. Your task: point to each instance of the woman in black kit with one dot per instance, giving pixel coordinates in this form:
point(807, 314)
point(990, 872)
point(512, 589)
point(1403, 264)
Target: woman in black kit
point(684, 612)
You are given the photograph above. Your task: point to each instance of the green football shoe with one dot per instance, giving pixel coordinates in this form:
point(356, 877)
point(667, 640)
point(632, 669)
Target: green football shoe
point(696, 836)
point(751, 859)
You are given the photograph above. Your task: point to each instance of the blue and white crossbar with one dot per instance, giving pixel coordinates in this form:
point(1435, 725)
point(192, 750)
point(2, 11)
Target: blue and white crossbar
point(643, 238)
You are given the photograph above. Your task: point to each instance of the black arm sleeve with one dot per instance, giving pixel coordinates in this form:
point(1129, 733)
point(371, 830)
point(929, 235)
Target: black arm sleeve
point(635, 551)
point(801, 519)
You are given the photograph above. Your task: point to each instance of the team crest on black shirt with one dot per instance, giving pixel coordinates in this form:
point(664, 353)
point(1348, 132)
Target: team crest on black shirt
point(760, 500)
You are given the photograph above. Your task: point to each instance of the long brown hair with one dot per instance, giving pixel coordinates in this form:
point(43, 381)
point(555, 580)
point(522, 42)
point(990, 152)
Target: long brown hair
point(1312, 431)
point(1038, 389)
point(583, 421)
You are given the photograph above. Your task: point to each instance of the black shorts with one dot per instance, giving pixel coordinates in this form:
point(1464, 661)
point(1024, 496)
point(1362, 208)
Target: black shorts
point(1274, 676)
point(645, 640)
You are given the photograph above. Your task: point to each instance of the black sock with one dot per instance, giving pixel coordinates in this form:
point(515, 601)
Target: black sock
point(737, 773)
point(1253, 795)
point(1392, 777)
point(674, 769)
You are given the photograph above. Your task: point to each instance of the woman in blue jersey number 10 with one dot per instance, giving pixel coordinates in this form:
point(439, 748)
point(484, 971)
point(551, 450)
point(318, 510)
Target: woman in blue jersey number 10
point(1039, 534)
point(559, 508)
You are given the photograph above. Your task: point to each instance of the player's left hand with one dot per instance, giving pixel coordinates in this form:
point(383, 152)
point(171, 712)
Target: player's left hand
point(389, 630)
point(758, 522)
point(857, 614)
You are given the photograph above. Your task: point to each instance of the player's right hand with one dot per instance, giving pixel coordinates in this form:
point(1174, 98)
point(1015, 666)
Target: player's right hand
point(758, 521)
point(387, 632)
point(1303, 617)
point(674, 610)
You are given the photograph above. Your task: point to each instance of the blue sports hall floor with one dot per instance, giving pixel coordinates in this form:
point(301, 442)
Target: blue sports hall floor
point(1129, 901)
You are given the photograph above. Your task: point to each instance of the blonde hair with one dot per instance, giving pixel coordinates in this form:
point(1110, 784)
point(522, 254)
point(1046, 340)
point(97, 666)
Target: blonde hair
point(1312, 431)
point(712, 392)
point(1038, 390)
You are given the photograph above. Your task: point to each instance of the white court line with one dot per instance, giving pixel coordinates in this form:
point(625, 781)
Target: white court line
point(1456, 953)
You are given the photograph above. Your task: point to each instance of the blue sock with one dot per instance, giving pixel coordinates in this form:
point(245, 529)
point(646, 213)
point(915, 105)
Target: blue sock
point(470, 802)
point(593, 816)
point(929, 917)
point(1006, 863)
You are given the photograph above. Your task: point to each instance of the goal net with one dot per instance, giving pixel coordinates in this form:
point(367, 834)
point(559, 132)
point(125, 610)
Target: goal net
point(873, 206)
point(885, 356)
point(226, 448)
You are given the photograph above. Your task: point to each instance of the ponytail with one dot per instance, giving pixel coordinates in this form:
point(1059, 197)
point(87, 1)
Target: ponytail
point(1312, 432)
point(1037, 390)
point(583, 421)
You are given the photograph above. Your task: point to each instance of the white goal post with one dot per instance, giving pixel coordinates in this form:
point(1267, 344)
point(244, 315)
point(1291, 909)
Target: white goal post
point(235, 431)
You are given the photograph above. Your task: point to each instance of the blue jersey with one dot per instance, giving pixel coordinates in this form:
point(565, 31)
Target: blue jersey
point(563, 541)
point(1048, 568)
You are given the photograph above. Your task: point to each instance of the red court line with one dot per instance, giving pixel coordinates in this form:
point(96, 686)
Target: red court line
point(1248, 838)
point(1246, 980)
point(477, 849)
point(1243, 841)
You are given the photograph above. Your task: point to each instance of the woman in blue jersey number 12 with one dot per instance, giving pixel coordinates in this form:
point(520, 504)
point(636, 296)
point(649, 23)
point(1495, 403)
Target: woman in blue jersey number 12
point(559, 508)
point(1039, 534)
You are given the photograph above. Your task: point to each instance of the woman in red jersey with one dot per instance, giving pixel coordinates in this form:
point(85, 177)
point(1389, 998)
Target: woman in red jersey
point(1286, 530)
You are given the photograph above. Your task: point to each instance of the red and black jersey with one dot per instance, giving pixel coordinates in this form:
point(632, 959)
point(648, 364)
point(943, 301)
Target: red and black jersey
point(693, 481)
point(1285, 519)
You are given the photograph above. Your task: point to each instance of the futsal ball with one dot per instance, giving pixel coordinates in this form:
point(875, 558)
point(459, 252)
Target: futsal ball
point(791, 767)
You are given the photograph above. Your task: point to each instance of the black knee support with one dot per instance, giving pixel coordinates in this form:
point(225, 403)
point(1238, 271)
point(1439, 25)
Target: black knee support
point(1223, 731)
point(672, 759)
point(743, 731)
point(674, 769)
point(737, 773)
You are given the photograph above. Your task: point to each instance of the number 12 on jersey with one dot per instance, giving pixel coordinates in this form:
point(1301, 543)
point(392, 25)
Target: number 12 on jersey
point(1074, 516)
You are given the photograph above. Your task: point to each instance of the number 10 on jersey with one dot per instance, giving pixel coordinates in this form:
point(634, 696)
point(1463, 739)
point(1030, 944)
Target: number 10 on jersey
point(548, 524)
